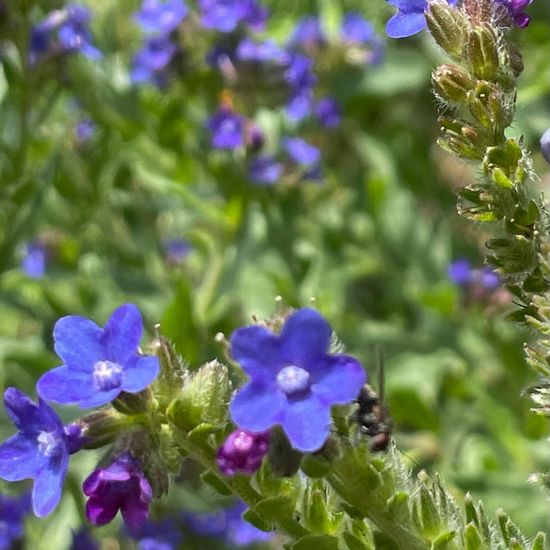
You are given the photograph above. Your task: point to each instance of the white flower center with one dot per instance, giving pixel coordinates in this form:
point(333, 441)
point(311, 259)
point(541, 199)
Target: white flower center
point(292, 379)
point(107, 375)
point(49, 443)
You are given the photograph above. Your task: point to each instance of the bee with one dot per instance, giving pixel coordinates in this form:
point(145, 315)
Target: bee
point(372, 415)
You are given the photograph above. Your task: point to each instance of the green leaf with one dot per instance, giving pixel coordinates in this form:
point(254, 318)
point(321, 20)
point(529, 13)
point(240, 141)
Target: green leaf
point(317, 542)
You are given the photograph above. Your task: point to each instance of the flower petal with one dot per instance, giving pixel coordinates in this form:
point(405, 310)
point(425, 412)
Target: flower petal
point(339, 381)
point(48, 486)
point(257, 407)
point(256, 349)
point(405, 24)
point(122, 333)
point(100, 510)
point(20, 458)
point(67, 386)
point(139, 373)
point(22, 410)
point(306, 423)
point(305, 338)
point(77, 342)
point(134, 512)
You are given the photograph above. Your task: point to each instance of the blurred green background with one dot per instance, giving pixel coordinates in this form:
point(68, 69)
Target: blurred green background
point(371, 244)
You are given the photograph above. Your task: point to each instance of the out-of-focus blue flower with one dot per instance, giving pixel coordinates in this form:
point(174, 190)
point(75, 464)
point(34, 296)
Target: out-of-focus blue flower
point(158, 535)
point(248, 50)
point(515, 9)
point(545, 145)
point(84, 130)
point(83, 540)
point(308, 33)
point(328, 112)
point(39, 450)
point(301, 152)
point(294, 381)
point(300, 105)
point(98, 363)
point(265, 170)
point(35, 260)
point(358, 32)
point(63, 31)
point(12, 516)
point(226, 15)
point(151, 62)
point(121, 486)
point(176, 250)
point(227, 129)
point(161, 16)
point(227, 525)
point(487, 277)
point(410, 19)
point(299, 73)
point(460, 272)
point(242, 451)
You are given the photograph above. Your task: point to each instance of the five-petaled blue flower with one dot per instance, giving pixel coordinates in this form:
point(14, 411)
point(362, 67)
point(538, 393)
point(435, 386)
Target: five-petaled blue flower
point(161, 16)
point(39, 450)
point(150, 64)
point(225, 15)
point(98, 363)
point(301, 152)
point(13, 511)
point(227, 129)
point(294, 380)
point(410, 19)
point(265, 170)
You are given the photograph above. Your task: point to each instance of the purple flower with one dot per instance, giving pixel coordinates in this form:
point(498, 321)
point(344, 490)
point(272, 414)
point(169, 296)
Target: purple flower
point(248, 50)
point(121, 486)
point(35, 260)
point(13, 511)
point(460, 272)
point(357, 31)
point(308, 33)
point(410, 19)
point(161, 16)
point(515, 10)
point(265, 170)
point(225, 15)
point(545, 145)
point(301, 152)
point(98, 363)
point(39, 450)
point(242, 451)
point(294, 380)
point(151, 62)
point(299, 73)
point(328, 112)
point(227, 129)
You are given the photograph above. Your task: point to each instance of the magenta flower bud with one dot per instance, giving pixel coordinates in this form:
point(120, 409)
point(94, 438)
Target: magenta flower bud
point(545, 145)
point(242, 451)
point(121, 486)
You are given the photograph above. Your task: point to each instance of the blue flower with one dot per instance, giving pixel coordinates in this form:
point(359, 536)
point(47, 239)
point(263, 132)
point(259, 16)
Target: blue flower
point(158, 535)
point(294, 380)
point(248, 50)
point(308, 33)
point(300, 105)
point(161, 16)
point(545, 145)
point(98, 363)
point(301, 152)
point(13, 511)
point(460, 272)
point(328, 112)
point(265, 170)
point(225, 15)
point(151, 62)
point(83, 540)
point(63, 31)
point(176, 250)
point(227, 129)
point(39, 450)
point(84, 130)
point(35, 260)
point(487, 278)
point(299, 73)
point(357, 31)
point(515, 10)
point(410, 19)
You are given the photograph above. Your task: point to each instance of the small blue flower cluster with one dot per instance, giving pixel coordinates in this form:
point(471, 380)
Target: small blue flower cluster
point(62, 32)
point(98, 364)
